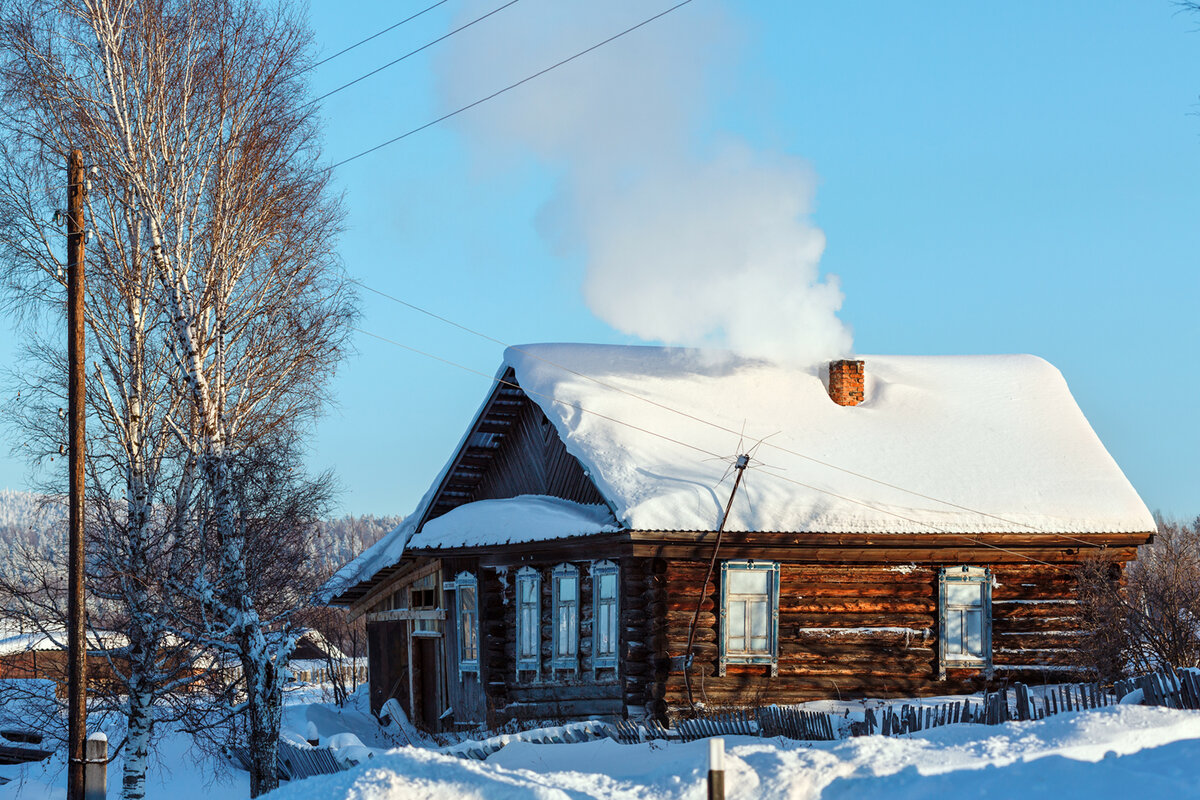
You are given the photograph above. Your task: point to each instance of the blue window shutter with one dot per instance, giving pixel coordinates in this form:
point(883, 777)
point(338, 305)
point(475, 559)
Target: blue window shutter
point(529, 621)
point(565, 617)
point(774, 590)
point(467, 618)
point(606, 616)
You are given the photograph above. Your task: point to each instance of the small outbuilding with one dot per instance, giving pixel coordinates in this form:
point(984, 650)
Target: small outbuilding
point(628, 531)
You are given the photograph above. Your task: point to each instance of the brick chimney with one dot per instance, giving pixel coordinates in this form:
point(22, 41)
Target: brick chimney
point(846, 382)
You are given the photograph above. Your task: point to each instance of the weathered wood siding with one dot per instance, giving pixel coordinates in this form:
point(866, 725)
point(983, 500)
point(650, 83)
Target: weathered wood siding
point(533, 460)
point(512, 450)
point(856, 629)
point(858, 616)
point(387, 664)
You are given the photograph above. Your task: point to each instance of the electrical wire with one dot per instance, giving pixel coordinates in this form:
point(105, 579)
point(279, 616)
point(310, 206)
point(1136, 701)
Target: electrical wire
point(411, 53)
point(583, 410)
point(376, 35)
point(717, 425)
point(508, 88)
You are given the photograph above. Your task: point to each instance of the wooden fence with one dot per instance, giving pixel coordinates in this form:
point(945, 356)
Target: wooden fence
point(768, 721)
point(570, 733)
point(910, 718)
point(355, 674)
point(292, 762)
point(1171, 688)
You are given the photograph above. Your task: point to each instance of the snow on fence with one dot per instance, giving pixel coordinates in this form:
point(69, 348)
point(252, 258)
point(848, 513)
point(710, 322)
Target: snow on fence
point(1172, 688)
point(292, 762)
point(767, 721)
point(571, 733)
point(993, 709)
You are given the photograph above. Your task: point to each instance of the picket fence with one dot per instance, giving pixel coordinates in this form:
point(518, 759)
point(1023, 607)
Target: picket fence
point(1173, 688)
point(768, 721)
point(348, 674)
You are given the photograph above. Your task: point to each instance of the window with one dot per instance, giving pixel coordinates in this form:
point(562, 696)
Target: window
point(566, 617)
point(424, 595)
point(749, 614)
point(423, 592)
point(529, 621)
point(466, 592)
point(605, 633)
point(965, 619)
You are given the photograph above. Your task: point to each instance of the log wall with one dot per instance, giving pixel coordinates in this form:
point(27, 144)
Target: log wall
point(858, 617)
point(858, 629)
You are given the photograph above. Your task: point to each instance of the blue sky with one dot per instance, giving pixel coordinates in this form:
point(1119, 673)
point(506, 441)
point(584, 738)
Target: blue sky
point(988, 178)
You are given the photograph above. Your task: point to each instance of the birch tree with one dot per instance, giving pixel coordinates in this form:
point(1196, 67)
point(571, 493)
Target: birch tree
point(194, 115)
point(134, 461)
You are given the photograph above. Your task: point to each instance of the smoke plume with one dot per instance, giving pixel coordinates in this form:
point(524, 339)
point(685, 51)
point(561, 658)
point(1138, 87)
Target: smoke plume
point(688, 236)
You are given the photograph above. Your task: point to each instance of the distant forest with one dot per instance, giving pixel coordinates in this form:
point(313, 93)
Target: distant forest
point(28, 520)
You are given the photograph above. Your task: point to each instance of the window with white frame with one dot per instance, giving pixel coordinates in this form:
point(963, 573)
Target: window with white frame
point(605, 615)
point(565, 618)
point(529, 620)
point(964, 619)
point(749, 613)
point(466, 591)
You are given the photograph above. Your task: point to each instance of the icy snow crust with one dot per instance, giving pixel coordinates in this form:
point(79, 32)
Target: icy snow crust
point(1115, 752)
point(528, 518)
point(1125, 751)
point(997, 434)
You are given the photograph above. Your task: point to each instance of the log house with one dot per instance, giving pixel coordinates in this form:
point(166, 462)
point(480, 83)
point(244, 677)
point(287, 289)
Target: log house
point(556, 565)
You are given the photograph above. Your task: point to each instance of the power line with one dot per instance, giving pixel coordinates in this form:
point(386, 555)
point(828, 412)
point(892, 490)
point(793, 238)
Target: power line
point(510, 87)
point(577, 406)
point(376, 35)
point(712, 424)
point(583, 410)
point(426, 46)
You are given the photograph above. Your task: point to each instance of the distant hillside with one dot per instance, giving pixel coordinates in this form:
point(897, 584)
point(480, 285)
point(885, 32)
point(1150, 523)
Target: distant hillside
point(340, 540)
point(26, 518)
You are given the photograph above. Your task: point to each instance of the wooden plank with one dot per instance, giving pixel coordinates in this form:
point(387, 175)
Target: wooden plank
point(396, 581)
point(403, 614)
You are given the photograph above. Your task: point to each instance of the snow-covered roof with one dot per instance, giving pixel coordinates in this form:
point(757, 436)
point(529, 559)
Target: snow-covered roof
point(528, 518)
point(964, 444)
point(999, 435)
point(13, 639)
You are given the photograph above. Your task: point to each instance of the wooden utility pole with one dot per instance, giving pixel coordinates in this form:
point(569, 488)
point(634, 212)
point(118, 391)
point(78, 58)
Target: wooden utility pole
point(76, 630)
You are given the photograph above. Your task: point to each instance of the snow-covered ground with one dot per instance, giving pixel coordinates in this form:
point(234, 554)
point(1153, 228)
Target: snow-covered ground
point(1118, 752)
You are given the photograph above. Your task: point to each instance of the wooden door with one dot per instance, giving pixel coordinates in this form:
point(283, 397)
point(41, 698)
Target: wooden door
point(425, 653)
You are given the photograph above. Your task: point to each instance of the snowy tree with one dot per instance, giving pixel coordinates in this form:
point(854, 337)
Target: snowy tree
point(1143, 616)
point(225, 312)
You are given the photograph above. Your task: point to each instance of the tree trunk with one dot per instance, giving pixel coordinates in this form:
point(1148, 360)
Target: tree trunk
point(137, 745)
point(263, 713)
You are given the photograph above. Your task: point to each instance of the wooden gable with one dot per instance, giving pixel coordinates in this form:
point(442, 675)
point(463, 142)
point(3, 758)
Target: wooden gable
point(512, 449)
